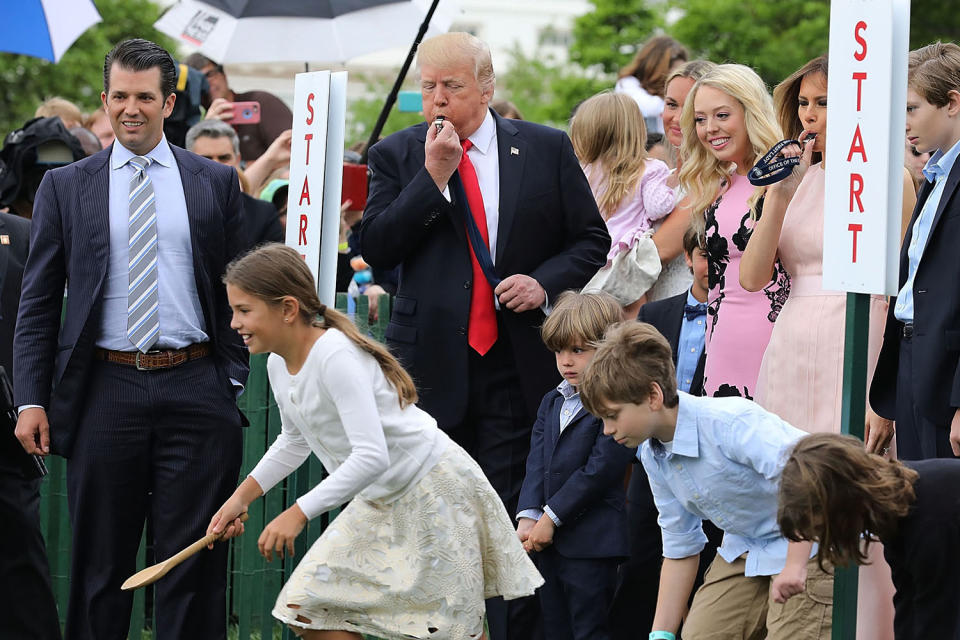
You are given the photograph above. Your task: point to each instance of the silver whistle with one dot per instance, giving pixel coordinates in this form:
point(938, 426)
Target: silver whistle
point(438, 123)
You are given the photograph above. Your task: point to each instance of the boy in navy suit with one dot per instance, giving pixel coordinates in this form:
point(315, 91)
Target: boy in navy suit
point(682, 320)
point(571, 507)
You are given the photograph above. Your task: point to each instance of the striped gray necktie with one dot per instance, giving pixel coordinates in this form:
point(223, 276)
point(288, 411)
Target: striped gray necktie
point(143, 301)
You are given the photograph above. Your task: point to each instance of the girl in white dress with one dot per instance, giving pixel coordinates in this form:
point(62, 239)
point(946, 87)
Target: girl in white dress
point(425, 538)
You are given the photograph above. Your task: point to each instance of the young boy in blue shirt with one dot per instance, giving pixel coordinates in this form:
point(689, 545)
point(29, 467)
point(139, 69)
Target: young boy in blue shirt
point(571, 508)
point(716, 459)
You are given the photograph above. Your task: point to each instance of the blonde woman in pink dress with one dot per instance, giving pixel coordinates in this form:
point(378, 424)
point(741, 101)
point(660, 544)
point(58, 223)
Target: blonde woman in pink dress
point(729, 122)
point(802, 370)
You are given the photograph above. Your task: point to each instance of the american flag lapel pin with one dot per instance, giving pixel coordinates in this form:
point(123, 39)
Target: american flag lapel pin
point(514, 151)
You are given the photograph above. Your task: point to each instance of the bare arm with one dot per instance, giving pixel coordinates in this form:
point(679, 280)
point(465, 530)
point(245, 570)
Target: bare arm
point(756, 264)
point(669, 237)
point(676, 583)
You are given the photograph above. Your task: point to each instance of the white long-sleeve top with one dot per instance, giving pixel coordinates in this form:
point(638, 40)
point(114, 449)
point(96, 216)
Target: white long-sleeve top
point(341, 407)
point(651, 106)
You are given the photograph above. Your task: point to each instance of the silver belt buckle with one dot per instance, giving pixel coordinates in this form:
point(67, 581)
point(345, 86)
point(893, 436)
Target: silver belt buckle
point(151, 352)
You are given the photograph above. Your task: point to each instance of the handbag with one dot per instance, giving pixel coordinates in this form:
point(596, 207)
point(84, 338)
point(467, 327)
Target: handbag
point(631, 273)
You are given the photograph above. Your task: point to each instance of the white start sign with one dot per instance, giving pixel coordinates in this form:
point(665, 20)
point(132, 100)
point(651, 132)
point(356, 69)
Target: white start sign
point(866, 114)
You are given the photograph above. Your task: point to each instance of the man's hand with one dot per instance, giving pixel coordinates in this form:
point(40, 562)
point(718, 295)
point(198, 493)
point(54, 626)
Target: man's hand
point(524, 526)
point(281, 532)
point(789, 582)
point(878, 432)
point(541, 535)
point(33, 431)
point(442, 153)
point(220, 109)
point(278, 153)
point(520, 293)
point(954, 433)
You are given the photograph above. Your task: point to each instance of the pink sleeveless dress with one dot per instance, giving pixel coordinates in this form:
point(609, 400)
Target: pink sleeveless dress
point(740, 322)
point(801, 376)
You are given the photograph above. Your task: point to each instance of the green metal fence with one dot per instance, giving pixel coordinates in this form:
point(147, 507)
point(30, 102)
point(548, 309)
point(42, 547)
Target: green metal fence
point(253, 583)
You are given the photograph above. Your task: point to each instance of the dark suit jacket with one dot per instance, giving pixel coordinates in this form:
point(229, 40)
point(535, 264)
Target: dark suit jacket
point(579, 474)
point(666, 316)
point(260, 222)
point(936, 317)
point(549, 229)
point(13, 255)
point(70, 245)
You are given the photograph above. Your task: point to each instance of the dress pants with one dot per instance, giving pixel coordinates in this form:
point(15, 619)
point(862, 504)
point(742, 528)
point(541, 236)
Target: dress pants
point(575, 595)
point(496, 432)
point(27, 607)
point(918, 438)
point(165, 444)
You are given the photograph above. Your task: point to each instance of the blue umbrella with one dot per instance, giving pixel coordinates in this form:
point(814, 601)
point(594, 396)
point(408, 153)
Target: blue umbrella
point(44, 28)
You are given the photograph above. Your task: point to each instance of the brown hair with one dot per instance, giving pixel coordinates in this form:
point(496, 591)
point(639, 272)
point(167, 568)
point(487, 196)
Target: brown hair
point(631, 359)
point(62, 108)
point(580, 319)
point(609, 137)
point(693, 240)
point(275, 271)
point(653, 62)
point(833, 492)
point(786, 99)
point(933, 71)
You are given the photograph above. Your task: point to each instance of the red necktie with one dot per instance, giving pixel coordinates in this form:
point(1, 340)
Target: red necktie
point(482, 331)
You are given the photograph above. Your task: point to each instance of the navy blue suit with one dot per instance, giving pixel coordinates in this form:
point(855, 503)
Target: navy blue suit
point(548, 228)
point(27, 608)
point(163, 443)
point(917, 379)
point(579, 475)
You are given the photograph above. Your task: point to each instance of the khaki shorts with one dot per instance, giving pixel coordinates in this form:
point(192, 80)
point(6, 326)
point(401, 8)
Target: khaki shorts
point(731, 606)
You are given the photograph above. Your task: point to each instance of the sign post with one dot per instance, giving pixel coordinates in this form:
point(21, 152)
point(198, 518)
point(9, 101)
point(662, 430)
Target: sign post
point(863, 198)
point(316, 165)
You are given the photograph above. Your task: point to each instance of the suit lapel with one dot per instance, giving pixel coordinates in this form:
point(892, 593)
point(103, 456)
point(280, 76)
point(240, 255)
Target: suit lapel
point(193, 187)
point(512, 153)
point(948, 189)
point(93, 205)
point(553, 429)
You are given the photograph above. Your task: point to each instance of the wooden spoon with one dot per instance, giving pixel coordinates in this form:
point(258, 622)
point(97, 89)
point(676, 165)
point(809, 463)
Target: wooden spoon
point(157, 571)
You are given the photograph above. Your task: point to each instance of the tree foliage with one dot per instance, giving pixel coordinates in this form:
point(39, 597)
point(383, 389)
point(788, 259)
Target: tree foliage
point(774, 38)
point(25, 82)
point(610, 34)
point(545, 91)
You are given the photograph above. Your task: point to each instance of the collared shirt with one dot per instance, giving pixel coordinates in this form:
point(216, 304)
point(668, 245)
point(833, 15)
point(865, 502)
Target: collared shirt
point(690, 345)
point(484, 154)
point(723, 465)
point(936, 171)
point(568, 411)
point(181, 317)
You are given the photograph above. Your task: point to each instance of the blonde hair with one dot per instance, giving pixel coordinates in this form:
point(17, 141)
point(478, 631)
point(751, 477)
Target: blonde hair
point(786, 99)
point(580, 319)
point(459, 46)
point(57, 107)
point(695, 69)
point(702, 175)
point(275, 271)
point(933, 71)
point(609, 137)
point(631, 359)
point(833, 492)
point(653, 62)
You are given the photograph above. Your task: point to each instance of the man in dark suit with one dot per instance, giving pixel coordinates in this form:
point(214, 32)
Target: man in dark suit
point(27, 607)
point(917, 378)
point(137, 388)
point(216, 140)
point(471, 341)
point(682, 321)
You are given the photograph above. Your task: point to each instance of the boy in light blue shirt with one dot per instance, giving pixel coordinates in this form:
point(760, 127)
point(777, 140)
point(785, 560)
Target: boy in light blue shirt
point(718, 459)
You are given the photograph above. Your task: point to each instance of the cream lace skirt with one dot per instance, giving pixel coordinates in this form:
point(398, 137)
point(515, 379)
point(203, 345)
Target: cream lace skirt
point(419, 567)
